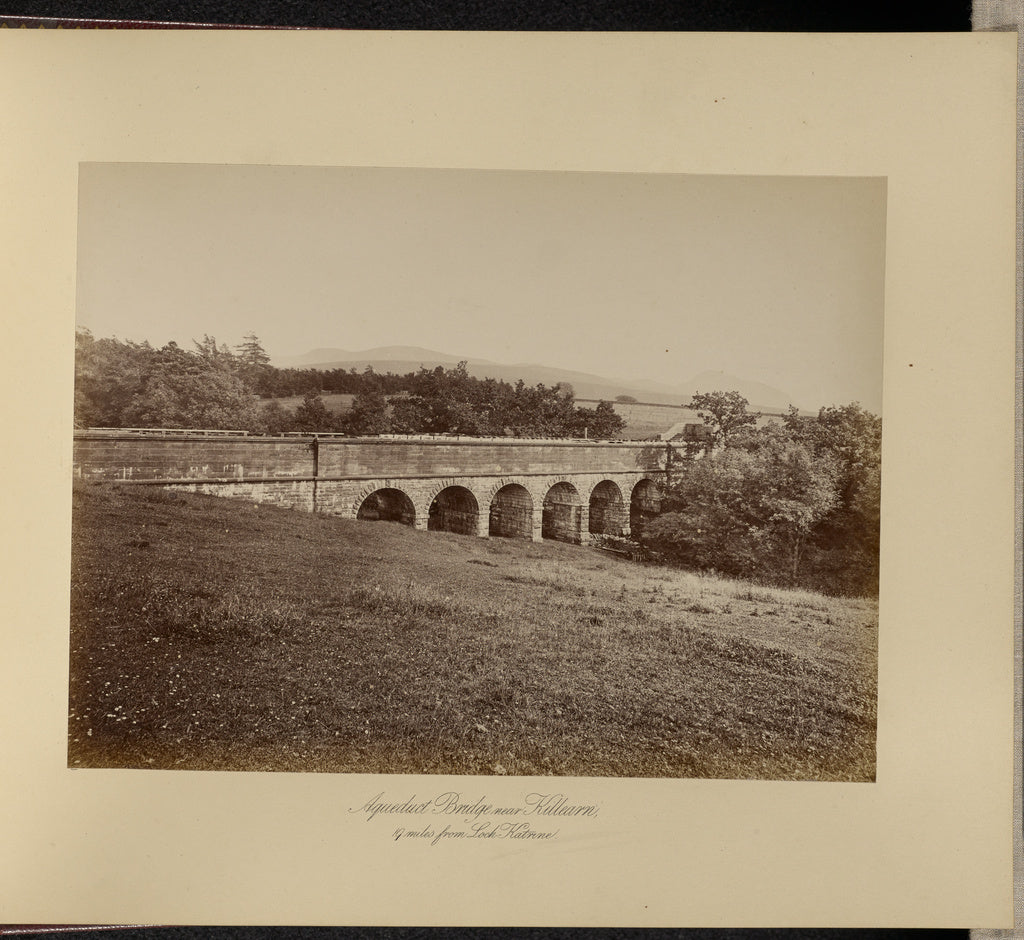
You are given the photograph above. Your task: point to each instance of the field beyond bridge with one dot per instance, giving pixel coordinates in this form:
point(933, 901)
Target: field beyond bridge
point(211, 634)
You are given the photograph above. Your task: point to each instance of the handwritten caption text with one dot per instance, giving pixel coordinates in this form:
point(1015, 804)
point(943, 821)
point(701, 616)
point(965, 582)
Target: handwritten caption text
point(448, 816)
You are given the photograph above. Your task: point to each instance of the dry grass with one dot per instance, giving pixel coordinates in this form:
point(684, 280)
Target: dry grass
point(215, 634)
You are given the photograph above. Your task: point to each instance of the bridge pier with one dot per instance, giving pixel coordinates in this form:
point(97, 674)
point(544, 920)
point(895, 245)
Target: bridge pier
point(585, 536)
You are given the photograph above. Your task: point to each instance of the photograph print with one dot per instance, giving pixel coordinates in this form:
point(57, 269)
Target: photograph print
point(448, 471)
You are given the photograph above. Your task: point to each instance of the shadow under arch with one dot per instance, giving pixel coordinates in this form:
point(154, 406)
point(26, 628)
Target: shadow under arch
point(644, 505)
point(511, 513)
point(607, 510)
point(387, 505)
point(454, 509)
point(562, 515)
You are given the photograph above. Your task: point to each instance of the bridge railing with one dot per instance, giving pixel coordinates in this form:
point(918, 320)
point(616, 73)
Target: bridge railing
point(338, 435)
point(168, 432)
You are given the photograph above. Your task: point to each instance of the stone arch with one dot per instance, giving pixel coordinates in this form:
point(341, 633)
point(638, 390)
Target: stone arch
point(562, 514)
point(511, 512)
point(644, 505)
point(387, 504)
point(454, 509)
point(607, 509)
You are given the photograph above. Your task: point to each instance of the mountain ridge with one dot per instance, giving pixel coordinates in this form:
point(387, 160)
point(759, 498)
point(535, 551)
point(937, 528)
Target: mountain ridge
point(586, 385)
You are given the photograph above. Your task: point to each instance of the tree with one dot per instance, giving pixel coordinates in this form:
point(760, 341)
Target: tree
point(253, 365)
point(847, 541)
point(600, 423)
point(626, 399)
point(108, 375)
point(191, 390)
point(312, 414)
point(609, 423)
point(275, 419)
point(723, 413)
point(795, 502)
point(251, 351)
point(369, 414)
point(409, 415)
point(747, 511)
point(453, 416)
point(119, 384)
point(208, 349)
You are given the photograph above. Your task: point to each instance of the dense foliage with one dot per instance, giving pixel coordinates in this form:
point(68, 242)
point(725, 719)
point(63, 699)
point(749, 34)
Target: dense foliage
point(120, 384)
point(796, 503)
point(125, 384)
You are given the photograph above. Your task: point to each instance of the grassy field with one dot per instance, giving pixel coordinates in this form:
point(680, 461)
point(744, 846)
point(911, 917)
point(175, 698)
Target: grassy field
point(216, 634)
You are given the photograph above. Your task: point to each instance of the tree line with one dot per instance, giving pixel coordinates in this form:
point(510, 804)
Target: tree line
point(126, 384)
point(795, 503)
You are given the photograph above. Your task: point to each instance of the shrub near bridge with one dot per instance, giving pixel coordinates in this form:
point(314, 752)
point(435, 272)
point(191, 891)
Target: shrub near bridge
point(794, 504)
point(210, 634)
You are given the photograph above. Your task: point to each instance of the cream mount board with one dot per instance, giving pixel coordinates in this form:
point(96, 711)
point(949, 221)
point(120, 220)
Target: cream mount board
point(927, 844)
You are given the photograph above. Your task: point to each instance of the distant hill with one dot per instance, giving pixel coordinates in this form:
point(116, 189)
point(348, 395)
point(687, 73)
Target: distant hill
point(403, 359)
point(761, 397)
point(335, 358)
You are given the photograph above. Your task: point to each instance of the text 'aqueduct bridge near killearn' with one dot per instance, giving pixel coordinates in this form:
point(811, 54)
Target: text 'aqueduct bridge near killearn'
point(564, 490)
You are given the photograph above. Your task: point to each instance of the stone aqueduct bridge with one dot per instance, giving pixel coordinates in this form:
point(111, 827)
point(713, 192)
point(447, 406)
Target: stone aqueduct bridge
point(565, 490)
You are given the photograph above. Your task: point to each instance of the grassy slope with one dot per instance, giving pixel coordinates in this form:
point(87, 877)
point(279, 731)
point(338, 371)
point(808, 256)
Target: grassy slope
point(216, 634)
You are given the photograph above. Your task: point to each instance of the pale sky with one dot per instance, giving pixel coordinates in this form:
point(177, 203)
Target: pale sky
point(775, 279)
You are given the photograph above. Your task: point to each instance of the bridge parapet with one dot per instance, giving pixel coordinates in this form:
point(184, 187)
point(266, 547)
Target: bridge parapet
point(107, 456)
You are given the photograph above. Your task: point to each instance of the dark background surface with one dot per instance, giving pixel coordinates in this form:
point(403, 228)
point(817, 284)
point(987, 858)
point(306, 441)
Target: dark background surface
point(495, 933)
point(745, 15)
point(709, 15)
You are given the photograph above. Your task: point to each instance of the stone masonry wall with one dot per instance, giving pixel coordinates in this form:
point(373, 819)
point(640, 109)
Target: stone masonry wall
point(288, 494)
point(452, 485)
point(128, 457)
point(109, 458)
point(385, 457)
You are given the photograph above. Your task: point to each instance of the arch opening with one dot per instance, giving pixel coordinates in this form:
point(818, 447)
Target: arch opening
point(562, 514)
point(454, 509)
point(644, 505)
point(511, 514)
point(387, 505)
point(607, 510)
